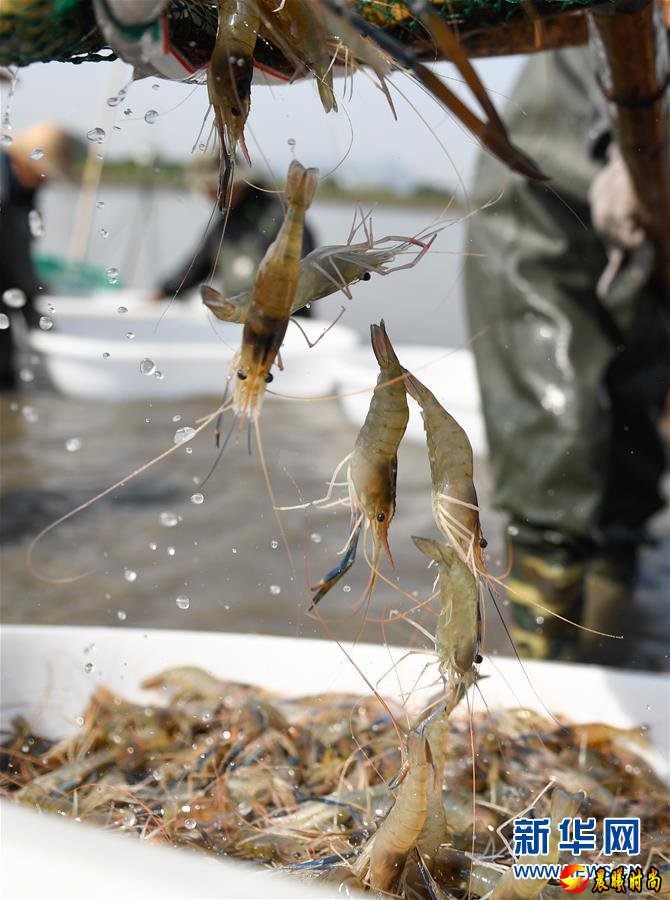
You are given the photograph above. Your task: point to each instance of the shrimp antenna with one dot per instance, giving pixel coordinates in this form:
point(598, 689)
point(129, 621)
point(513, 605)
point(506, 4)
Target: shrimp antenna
point(204, 422)
point(491, 133)
point(219, 454)
point(519, 660)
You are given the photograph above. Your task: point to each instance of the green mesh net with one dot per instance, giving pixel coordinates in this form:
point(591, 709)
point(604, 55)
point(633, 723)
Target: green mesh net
point(66, 30)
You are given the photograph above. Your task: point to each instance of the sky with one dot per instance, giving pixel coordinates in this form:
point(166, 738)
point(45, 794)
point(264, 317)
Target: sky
point(362, 141)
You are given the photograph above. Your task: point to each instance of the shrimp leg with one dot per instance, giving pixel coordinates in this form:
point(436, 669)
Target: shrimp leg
point(330, 580)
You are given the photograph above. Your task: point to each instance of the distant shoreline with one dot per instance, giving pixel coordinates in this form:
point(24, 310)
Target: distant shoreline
point(171, 176)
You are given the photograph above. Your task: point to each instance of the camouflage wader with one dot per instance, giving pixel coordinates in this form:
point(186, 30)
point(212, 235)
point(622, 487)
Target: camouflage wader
point(572, 388)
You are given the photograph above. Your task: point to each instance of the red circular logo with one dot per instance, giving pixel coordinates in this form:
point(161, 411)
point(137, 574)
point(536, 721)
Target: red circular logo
point(574, 878)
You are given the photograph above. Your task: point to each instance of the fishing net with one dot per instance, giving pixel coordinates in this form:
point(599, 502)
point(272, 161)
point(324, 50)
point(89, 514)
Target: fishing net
point(67, 31)
point(50, 30)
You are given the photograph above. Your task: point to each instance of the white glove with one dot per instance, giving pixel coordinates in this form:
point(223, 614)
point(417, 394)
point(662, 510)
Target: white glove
point(615, 216)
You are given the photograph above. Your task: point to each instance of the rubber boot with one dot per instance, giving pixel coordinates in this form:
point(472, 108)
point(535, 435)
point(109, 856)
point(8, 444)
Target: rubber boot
point(608, 603)
point(542, 582)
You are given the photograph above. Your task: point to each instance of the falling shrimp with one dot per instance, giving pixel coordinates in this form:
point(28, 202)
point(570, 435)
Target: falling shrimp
point(272, 296)
point(380, 862)
point(458, 633)
point(454, 498)
point(373, 463)
point(328, 269)
point(229, 77)
point(299, 29)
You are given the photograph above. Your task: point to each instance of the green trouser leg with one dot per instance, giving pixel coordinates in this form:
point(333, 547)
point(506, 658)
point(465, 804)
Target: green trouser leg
point(571, 387)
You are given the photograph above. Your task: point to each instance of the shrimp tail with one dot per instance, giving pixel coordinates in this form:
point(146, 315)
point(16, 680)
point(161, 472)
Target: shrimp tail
point(435, 550)
point(301, 185)
point(381, 344)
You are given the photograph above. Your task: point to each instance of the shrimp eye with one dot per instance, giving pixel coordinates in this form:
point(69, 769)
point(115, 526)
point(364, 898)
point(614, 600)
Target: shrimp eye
point(269, 377)
point(241, 375)
point(366, 276)
point(483, 543)
point(381, 517)
point(479, 658)
point(236, 111)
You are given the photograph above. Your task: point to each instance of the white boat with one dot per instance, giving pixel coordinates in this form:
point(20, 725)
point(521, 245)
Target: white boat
point(47, 677)
point(94, 351)
point(450, 374)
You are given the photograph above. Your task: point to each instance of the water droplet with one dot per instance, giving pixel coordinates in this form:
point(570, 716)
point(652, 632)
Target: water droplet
point(88, 667)
point(6, 141)
point(150, 116)
point(188, 449)
point(197, 499)
point(159, 375)
point(114, 101)
point(37, 153)
point(4, 321)
point(275, 589)
point(291, 142)
point(190, 824)
point(122, 310)
point(346, 588)
point(14, 298)
point(121, 615)
point(171, 551)
point(96, 135)
point(130, 575)
point(182, 434)
point(168, 519)
point(45, 323)
point(130, 335)
point(176, 418)
point(105, 234)
point(35, 224)
point(26, 375)
point(274, 544)
point(129, 819)
point(73, 444)
point(315, 538)
point(112, 274)
point(127, 111)
point(99, 204)
point(147, 366)
point(155, 87)
point(105, 355)
point(183, 602)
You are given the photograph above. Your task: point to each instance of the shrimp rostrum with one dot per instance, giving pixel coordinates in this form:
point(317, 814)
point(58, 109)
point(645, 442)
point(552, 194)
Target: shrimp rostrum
point(372, 465)
point(331, 268)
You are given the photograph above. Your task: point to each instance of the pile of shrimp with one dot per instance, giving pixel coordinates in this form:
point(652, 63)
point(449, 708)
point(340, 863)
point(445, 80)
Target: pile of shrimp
point(325, 787)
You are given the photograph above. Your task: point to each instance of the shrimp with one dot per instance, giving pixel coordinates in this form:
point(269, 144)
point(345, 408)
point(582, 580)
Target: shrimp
point(326, 270)
point(272, 296)
point(229, 77)
point(562, 806)
point(454, 498)
point(382, 857)
point(61, 781)
point(373, 463)
point(458, 634)
point(300, 31)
